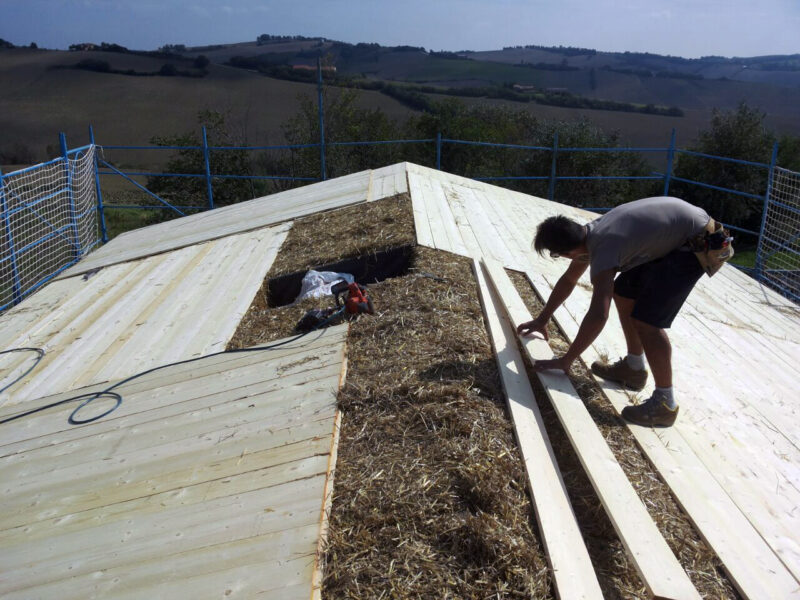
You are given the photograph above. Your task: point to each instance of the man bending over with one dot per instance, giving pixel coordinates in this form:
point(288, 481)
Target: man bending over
point(647, 243)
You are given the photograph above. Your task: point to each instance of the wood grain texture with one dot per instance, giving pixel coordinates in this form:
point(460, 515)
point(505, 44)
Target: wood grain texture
point(566, 551)
point(736, 361)
point(660, 571)
point(134, 316)
point(208, 481)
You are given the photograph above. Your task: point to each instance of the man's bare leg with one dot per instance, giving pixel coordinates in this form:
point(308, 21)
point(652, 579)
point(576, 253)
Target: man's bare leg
point(632, 339)
point(658, 350)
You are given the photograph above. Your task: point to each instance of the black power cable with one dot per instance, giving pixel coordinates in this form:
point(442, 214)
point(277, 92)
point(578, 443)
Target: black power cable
point(86, 399)
point(39, 351)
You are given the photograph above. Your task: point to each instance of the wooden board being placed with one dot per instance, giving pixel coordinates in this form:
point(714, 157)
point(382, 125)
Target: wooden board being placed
point(129, 317)
point(210, 480)
point(566, 551)
point(659, 569)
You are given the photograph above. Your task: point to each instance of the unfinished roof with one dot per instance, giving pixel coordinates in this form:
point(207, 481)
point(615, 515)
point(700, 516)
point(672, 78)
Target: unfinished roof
point(731, 460)
point(365, 186)
point(210, 480)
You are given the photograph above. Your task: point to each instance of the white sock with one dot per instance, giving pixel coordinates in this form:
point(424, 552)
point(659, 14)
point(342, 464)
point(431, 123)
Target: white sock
point(635, 361)
point(669, 396)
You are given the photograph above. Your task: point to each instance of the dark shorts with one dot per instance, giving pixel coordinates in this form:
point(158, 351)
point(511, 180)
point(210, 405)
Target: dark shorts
point(660, 287)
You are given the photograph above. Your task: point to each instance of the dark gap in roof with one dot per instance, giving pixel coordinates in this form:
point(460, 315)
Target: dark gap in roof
point(372, 268)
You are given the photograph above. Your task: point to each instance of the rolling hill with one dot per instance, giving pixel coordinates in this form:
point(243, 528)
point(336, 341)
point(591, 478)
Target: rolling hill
point(42, 93)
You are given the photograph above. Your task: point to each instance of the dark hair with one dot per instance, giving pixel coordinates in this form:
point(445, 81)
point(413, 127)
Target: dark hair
point(558, 234)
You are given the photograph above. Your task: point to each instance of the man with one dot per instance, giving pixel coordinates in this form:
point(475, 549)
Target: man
point(647, 243)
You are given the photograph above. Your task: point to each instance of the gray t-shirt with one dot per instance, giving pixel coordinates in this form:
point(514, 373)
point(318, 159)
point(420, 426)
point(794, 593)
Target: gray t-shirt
point(640, 231)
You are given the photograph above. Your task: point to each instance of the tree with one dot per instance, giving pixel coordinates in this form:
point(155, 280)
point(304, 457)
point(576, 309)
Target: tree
point(191, 191)
point(345, 121)
point(454, 120)
point(739, 134)
point(168, 70)
point(201, 62)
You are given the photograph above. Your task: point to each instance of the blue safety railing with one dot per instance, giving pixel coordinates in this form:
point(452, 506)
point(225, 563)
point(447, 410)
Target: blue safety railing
point(43, 230)
point(670, 152)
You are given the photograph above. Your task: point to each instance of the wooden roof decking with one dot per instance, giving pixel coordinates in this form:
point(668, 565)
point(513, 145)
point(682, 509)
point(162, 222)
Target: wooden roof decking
point(365, 186)
point(211, 479)
point(733, 458)
point(135, 315)
point(178, 290)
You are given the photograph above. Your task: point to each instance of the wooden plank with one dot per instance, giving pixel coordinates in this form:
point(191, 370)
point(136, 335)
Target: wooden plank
point(114, 544)
point(99, 295)
point(228, 492)
point(234, 413)
point(422, 224)
point(148, 409)
point(489, 239)
point(752, 566)
point(188, 304)
point(157, 465)
point(492, 201)
point(220, 222)
point(566, 551)
point(660, 571)
point(325, 512)
point(444, 215)
point(471, 245)
point(173, 380)
point(262, 566)
point(59, 366)
point(306, 460)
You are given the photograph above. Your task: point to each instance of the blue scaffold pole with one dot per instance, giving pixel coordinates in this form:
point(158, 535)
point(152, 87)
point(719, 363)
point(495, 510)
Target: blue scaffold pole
point(100, 209)
point(4, 210)
point(670, 160)
point(73, 210)
point(551, 192)
point(760, 248)
point(323, 173)
point(439, 150)
point(208, 170)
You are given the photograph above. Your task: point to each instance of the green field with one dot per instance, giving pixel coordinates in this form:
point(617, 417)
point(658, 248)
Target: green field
point(39, 98)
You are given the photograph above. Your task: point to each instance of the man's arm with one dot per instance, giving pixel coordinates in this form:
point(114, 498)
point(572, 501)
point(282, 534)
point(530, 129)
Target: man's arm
point(561, 291)
point(591, 326)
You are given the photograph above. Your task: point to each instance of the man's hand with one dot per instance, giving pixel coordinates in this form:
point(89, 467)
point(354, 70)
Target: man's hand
point(535, 326)
point(554, 364)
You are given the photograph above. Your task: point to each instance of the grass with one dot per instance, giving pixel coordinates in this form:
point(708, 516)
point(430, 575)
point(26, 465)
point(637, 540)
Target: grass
point(778, 260)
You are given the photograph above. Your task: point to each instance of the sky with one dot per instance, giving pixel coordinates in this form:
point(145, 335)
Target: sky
point(688, 28)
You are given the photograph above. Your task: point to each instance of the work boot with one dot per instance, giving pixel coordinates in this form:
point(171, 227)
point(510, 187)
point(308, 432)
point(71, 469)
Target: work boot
point(619, 372)
point(653, 412)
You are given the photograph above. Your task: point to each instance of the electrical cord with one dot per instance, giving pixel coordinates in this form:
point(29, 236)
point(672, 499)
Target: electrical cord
point(39, 351)
point(86, 399)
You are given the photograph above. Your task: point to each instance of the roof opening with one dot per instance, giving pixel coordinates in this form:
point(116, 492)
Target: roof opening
point(368, 269)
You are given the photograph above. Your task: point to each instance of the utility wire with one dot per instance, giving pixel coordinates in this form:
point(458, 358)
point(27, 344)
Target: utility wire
point(86, 399)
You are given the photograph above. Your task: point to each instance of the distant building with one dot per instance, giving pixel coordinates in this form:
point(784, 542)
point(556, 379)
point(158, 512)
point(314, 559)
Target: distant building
point(524, 88)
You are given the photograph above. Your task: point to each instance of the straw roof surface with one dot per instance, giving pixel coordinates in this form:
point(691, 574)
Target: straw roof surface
point(430, 496)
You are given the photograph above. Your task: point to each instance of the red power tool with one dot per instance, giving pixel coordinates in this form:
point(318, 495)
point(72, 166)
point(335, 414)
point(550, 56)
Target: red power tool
point(357, 301)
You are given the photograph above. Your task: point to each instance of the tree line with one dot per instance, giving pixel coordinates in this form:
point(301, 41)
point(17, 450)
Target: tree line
point(739, 133)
